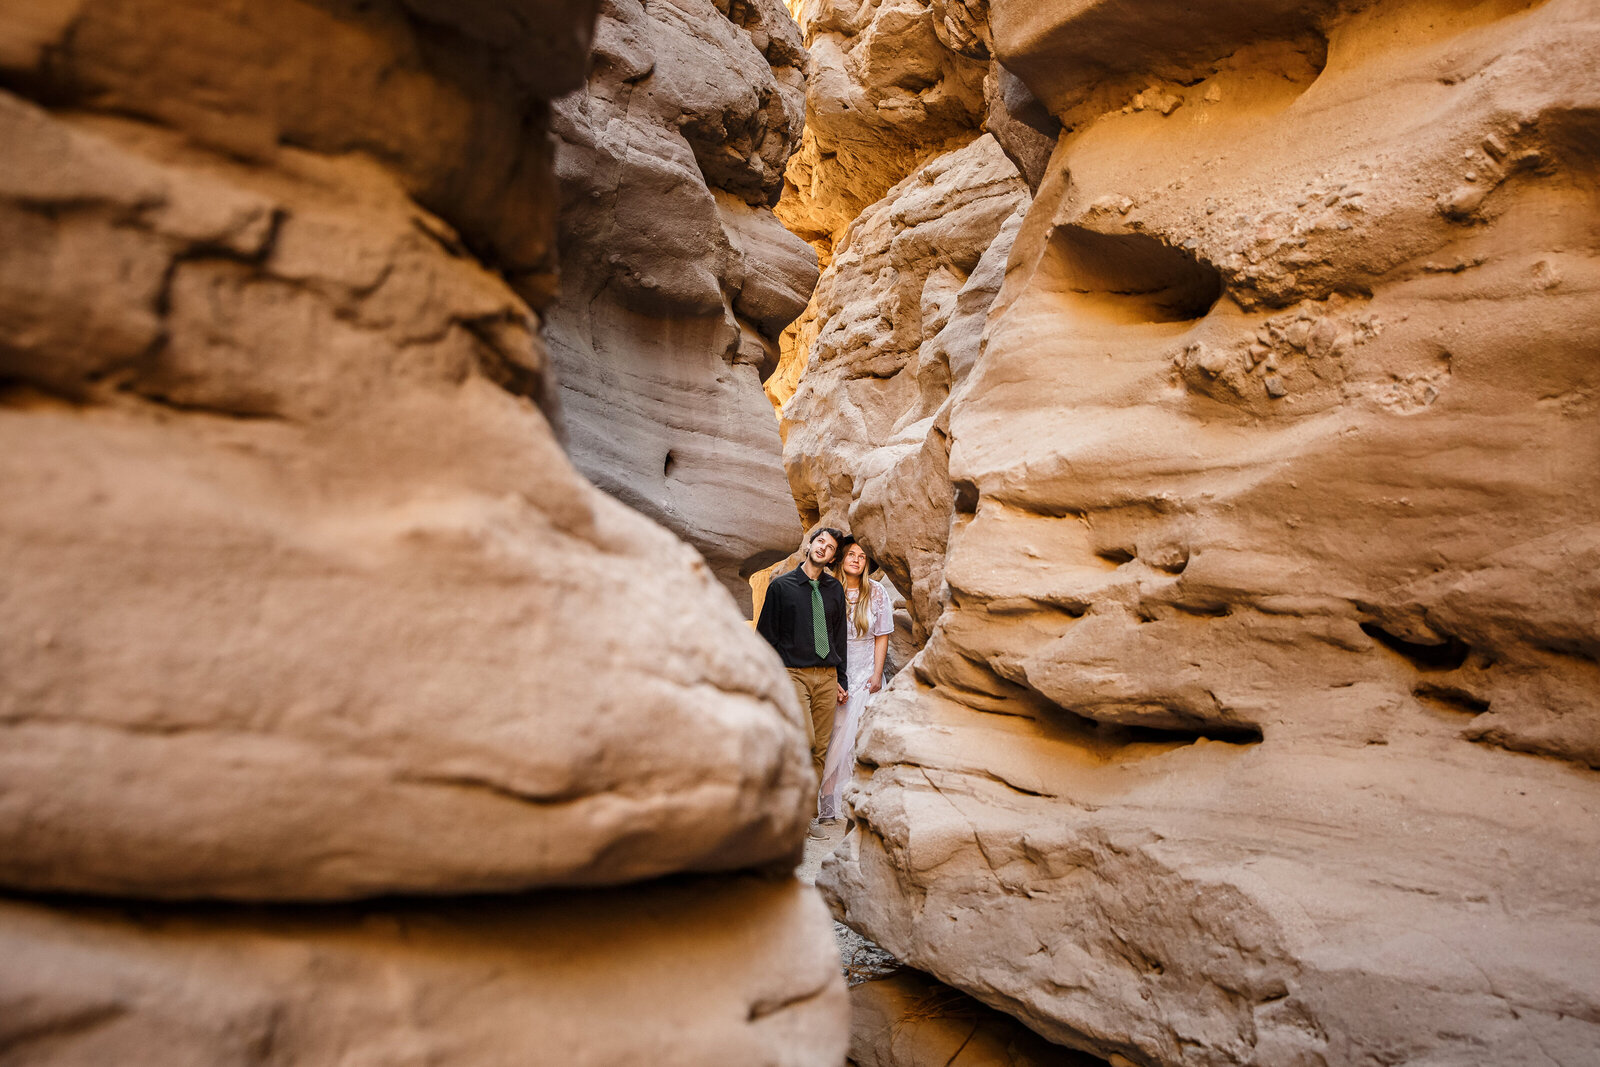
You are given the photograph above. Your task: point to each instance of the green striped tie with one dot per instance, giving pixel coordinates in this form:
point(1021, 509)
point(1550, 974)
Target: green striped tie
point(819, 625)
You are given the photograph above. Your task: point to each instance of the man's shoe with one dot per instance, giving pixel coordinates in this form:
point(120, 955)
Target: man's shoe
point(816, 831)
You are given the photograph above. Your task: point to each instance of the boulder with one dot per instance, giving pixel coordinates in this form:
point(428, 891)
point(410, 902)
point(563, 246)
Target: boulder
point(322, 669)
point(735, 971)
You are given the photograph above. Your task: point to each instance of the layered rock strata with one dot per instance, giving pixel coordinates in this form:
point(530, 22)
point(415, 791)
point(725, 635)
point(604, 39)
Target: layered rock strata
point(304, 602)
point(676, 278)
point(1259, 725)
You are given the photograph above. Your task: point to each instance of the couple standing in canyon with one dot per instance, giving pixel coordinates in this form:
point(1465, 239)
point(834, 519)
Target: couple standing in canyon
point(832, 633)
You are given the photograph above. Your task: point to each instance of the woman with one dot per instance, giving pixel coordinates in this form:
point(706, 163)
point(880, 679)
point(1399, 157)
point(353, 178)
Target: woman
point(869, 621)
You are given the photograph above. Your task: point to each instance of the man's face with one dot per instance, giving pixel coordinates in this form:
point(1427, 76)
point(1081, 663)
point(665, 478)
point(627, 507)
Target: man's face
point(823, 546)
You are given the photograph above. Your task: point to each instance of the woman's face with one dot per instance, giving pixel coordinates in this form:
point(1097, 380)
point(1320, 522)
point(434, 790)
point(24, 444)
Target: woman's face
point(855, 560)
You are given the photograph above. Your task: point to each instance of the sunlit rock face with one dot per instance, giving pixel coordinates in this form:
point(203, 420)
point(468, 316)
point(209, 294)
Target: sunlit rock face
point(892, 333)
point(1262, 722)
point(891, 86)
point(676, 278)
point(303, 601)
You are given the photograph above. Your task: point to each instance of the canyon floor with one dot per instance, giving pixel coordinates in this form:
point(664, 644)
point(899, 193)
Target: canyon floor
point(861, 959)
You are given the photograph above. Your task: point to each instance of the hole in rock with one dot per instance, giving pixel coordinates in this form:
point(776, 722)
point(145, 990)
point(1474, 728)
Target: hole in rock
point(966, 498)
point(669, 463)
point(1448, 655)
point(1206, 609)
point(1451, 698)
point(1115, 556)
point(1129, 277)
point(1243, 733)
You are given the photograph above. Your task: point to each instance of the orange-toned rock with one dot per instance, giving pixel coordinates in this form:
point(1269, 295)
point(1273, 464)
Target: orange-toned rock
point(886, 92)
point(304, 604)
point(909, 1020)
point(305, 600)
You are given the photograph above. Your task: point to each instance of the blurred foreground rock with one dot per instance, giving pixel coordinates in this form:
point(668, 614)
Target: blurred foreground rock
point(304, 601)
point(738, 971)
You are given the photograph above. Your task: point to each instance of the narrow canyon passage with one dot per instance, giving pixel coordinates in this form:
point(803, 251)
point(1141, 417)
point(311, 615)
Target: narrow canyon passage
point(406, 406)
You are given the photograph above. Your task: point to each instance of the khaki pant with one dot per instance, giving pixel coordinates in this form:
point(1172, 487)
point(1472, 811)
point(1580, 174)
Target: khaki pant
point(818, 690)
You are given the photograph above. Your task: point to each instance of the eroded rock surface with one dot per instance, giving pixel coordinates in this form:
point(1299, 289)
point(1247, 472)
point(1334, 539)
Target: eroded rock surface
point(304, 601)
point(892, 332)
point(676, 278)
point(892, 83)
point(291, 549)
point(1260, 725)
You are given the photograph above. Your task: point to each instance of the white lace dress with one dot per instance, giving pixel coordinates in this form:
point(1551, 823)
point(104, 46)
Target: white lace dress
point(840, 764)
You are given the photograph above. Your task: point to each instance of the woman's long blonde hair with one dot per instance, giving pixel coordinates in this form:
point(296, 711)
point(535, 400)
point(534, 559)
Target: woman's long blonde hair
point(861, 617)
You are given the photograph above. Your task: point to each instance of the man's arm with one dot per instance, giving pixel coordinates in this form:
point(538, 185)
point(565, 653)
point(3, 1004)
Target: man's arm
point(767, 624)
point(836, 638)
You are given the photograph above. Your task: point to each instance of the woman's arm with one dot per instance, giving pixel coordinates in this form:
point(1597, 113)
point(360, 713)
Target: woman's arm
point(880, 650)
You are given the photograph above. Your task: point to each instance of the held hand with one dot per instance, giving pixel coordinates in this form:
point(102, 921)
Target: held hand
point(843, 695)
point(875, 685)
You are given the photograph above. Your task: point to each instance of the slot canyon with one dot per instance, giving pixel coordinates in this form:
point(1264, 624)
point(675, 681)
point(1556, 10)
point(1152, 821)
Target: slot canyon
point(405, 405)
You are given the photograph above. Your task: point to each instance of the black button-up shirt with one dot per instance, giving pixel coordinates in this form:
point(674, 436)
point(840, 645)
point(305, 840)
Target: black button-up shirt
point(786, 621)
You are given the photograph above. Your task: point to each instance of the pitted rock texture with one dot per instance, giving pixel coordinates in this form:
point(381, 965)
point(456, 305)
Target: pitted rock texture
point(676, 278)
point(1261, 724)
point(891, 334)
point(736, 971)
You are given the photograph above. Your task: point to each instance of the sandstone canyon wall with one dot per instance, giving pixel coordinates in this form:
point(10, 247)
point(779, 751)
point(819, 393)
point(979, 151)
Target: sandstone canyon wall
point(676, 278)
point(1253, 537)
point(884, 95)
point(308, 628)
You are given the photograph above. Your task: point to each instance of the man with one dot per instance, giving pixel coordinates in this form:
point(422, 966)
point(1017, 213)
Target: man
point(803, 618)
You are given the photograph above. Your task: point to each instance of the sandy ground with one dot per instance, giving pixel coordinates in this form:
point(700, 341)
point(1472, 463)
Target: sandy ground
point(861, 959)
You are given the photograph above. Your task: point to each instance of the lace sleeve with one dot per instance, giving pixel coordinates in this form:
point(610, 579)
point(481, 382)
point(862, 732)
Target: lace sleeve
point(882, 611)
